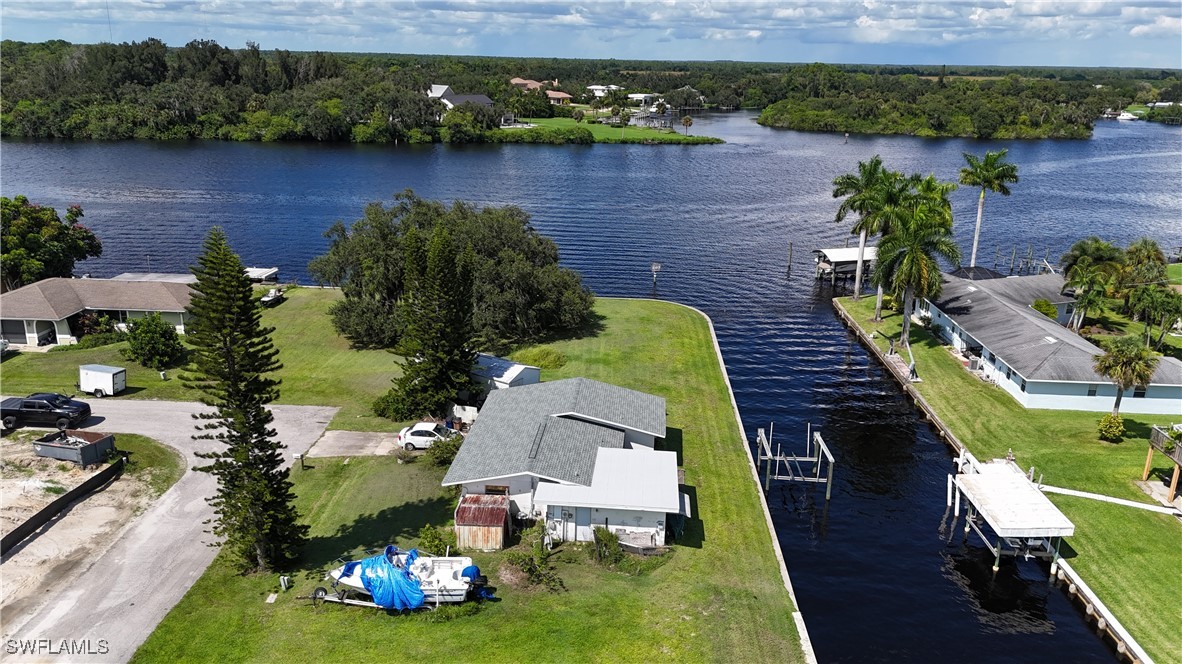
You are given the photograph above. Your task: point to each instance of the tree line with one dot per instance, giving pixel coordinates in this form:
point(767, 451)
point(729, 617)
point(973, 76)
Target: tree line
point(149, 90)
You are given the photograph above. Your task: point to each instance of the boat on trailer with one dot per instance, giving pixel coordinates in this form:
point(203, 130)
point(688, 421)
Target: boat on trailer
point(397, 579)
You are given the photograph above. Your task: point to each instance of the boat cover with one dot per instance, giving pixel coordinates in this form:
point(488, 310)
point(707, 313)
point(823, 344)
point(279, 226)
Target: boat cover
point(391, 585)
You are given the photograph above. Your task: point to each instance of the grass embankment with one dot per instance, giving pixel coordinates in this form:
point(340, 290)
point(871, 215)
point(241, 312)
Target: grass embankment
point(718, 597)
point(1130, 557)
point(631, 134)
point(319, 369)
point(1174, 273)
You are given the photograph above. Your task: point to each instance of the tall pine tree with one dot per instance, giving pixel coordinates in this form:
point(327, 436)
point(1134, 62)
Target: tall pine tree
point(233, 359)
point(438, 334)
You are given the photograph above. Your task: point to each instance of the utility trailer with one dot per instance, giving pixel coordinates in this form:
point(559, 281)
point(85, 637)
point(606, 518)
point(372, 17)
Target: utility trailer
point(101, 380)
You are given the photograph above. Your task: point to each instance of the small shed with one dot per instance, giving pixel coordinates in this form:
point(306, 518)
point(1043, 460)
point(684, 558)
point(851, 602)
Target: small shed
point(497, 373)
point(482, 522)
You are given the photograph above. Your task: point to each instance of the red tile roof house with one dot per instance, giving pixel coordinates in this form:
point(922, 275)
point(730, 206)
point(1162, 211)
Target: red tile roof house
point(558, 97)
point(46, 313)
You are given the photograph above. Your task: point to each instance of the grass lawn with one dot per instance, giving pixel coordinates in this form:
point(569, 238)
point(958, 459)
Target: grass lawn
point(1174, 273)
point(1125, 554)
point(608, 134)
point(718, 597)
point(1110, 319)
point(319, 369)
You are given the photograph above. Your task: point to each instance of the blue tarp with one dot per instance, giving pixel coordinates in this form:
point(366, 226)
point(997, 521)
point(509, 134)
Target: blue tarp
point(389, 581)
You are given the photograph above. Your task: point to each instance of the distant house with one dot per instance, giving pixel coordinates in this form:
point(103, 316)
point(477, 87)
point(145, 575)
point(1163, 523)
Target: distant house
point(644, 99)
point(1037, 360)
point(602, 90)
point(450, 99)
point(558, 97)
point(528, 85)
point(577, 453)
point(47, 312)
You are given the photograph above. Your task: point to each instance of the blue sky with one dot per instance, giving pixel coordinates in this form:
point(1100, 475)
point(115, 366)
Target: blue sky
point(1141, 33)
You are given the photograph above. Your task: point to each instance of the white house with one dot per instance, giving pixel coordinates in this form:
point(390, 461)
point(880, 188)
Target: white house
point(576, 452)
point(46, 312)
point(602, 90)
point(1037, 360)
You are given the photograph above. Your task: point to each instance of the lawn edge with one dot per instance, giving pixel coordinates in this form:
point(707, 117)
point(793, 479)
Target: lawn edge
point(806, 645)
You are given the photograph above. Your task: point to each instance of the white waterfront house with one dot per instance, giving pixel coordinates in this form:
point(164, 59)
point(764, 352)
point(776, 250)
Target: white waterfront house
point(577, 453)
point(1038, 361)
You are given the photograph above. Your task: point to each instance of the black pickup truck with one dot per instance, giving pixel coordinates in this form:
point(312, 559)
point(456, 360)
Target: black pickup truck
point(45, 409)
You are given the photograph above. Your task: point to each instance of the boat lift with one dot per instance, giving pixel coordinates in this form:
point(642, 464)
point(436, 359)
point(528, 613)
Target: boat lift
point(793, 468)
point(1023, 521)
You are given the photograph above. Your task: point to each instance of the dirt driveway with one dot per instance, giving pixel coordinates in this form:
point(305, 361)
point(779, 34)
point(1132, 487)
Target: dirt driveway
point(156, 558)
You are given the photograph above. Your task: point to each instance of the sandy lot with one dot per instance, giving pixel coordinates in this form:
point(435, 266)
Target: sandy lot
point(47, 559)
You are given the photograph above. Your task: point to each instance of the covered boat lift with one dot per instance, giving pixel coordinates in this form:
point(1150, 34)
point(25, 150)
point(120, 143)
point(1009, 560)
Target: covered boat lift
point(841, 261)
point(1023, 521)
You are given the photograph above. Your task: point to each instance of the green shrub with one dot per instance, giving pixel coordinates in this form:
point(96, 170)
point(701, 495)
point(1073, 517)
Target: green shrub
point(542, 357)
point(393, 406)
point(607, 547)
point(536, 563)
point(1044, 307)
point(1111, 428)
point(92, 341)
point(154, 342)
point(437, 540)
point(443, 452)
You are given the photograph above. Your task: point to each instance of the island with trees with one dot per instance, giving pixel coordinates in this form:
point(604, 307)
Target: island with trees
point(149, 90)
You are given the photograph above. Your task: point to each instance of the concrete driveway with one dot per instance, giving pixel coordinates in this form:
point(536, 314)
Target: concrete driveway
point(125, 592)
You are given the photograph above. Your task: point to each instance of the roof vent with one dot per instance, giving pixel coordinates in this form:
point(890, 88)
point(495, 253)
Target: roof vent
point(1050, 340)
point(972, 289)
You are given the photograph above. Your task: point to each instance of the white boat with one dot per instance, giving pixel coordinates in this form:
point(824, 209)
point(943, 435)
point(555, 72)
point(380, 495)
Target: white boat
point(1125, 115)
point(427, 580)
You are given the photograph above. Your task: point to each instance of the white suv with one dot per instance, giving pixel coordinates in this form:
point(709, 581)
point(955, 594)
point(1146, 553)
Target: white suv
point(422, 435)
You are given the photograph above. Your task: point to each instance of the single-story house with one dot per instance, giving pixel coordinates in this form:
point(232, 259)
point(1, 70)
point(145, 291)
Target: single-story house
point(1038, 361)
point(558, 97)
point(577, 453)
point(528, 84)
point(451, 101)
point(46, 312)
point(643, 98)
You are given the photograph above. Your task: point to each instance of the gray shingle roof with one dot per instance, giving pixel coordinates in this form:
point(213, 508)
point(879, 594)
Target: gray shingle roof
point(546, 430)
point(58, 298)
point(996, 313)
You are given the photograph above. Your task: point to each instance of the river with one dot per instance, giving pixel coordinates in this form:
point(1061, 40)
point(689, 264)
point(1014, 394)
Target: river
point(875, 576)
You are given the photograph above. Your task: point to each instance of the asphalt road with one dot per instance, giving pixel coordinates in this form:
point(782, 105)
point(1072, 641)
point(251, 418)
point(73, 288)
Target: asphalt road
point(127, 591)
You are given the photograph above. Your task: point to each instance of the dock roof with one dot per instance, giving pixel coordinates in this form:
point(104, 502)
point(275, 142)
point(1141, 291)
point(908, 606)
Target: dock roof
point(1011, 504)
point(846, 254)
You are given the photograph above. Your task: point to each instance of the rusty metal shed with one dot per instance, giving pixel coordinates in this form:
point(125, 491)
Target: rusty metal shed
point(482, 522)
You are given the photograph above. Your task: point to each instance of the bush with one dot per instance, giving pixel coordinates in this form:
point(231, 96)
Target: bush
point(535, 564)
point(891, 303)
point(92, 341)
point(542, 357)
point(1044, 307)
point(437, 541)
point(607, 547)
point(443, 452)
point(1111, 428)
point(154, 343)
point(404, 455)
point(366, 323)
point(393, 406)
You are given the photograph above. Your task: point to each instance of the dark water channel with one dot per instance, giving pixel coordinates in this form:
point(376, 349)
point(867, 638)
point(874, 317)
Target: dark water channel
point(876, 576)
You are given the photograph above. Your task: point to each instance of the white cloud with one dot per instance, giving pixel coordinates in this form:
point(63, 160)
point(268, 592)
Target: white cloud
point(1162, 26)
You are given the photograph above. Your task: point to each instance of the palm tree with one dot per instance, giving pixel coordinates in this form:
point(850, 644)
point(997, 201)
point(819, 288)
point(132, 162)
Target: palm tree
point(1127, 364)
point(992, 173)
point(893, 204)
point(859, 190)
point(1094, 248)
point(1088, 279)
point(907, 256)
point(687, 122)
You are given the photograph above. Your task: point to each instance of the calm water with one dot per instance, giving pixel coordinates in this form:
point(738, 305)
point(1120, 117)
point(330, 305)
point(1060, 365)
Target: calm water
point(876, 576)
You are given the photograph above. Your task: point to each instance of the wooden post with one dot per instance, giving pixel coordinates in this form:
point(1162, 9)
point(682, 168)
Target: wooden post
point(829, 482)
point(790, 257)
point(1174, 483)
point(1013, 257)
point(1149, 464)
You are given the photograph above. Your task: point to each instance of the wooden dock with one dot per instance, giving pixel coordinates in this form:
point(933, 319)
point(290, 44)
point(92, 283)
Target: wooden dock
point(1096, 612)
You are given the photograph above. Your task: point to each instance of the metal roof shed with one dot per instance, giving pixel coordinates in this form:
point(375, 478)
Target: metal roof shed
point(481, 522)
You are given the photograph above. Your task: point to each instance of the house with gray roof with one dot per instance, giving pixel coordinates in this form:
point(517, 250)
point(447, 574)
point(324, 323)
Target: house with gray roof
point(576, 452)
point(47, 312)
point(1037, 360)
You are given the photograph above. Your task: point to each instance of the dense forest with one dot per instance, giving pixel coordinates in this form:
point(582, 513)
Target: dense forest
point(149, 90)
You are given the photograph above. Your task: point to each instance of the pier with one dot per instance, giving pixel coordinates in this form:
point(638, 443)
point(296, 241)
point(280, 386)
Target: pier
point(842, 261)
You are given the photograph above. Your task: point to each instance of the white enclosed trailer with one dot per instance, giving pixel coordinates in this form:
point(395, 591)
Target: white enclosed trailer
point(101, 380)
